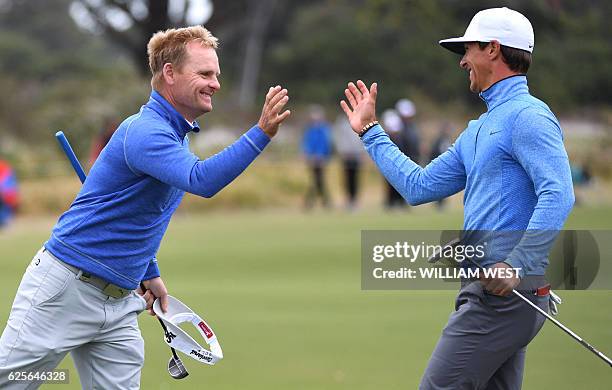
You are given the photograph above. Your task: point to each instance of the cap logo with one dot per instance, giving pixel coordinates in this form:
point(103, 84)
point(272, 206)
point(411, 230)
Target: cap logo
point(206, 329)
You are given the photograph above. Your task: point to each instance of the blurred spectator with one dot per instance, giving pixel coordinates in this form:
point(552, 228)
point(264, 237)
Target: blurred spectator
point(101, 139)
point(581, 177)
point(410, 133)
point(350, 149)
point(441, 145)
point(392, 123)
point(9, 193)
point(317, 149)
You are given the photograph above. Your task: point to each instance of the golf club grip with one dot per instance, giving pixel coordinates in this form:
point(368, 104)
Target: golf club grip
point(63, 141)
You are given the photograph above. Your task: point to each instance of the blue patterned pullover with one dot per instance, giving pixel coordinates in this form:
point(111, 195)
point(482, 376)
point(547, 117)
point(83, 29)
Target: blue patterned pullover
point(514, 169)
point(114, 227)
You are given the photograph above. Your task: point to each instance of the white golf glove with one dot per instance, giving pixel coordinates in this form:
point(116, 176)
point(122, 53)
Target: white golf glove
point(553, 301)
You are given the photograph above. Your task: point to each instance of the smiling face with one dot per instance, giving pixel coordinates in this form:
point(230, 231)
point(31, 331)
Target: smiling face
point(478, 63)
point(191, 86)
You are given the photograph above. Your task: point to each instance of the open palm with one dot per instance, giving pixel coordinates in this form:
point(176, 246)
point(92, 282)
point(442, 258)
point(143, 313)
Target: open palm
point(362, 109)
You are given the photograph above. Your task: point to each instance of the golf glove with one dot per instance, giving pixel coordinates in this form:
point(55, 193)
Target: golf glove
point(553, 301)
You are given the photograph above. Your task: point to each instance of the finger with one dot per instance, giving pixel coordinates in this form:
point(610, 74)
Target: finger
point(279, 105)
point(284, 116)
point(497, 287)
point(351, 98)
point(164, 302)
point(508, 287)
point(268, 95)
point(373, 91)
point(139, 291)
point(362, 88)
point(355, 91)
point(150, 299)
point(277, 97)
point(346, 108)
point(271, 92)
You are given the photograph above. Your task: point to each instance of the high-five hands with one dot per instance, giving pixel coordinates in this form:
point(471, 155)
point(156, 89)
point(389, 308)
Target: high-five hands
point(362, 102)
point(270, 118)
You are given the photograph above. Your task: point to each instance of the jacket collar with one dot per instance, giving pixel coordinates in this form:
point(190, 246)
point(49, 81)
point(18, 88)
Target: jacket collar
point(504, 90)
point(180, 125)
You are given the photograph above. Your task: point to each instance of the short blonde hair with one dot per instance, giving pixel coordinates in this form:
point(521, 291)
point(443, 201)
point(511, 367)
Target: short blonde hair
point(169, 46)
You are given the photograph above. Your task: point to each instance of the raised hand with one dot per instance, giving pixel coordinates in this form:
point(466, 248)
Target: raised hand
point(270, 118)
point(362, 102)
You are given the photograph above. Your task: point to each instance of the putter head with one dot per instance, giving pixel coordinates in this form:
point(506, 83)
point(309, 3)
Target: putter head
point(176, 369)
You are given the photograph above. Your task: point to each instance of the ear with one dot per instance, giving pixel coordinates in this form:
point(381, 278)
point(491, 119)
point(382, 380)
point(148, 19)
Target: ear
point(168, 73)
point(494, 50)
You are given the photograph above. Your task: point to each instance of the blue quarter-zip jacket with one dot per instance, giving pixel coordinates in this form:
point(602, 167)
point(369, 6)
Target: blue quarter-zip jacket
point(114, 227)
point(513, 166)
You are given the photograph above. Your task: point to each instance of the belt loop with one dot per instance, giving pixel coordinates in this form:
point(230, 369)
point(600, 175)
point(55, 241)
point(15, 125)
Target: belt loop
point(78, 275)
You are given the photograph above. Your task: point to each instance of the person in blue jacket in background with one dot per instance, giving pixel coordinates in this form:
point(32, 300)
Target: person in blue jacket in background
point(317, 149)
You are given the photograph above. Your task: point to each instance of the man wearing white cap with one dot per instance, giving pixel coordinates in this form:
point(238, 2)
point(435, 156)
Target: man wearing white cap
point(514, 169)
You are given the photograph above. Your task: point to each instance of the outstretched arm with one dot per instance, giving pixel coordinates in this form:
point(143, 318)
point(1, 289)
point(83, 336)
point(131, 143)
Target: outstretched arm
point(442, 177)
point(158, 153)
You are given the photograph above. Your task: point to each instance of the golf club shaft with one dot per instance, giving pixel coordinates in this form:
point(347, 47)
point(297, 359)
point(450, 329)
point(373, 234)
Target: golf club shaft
point(564, 328)
point(559, 324)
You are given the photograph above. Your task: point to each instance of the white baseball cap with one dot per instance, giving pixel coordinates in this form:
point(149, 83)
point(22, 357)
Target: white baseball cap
point(508, 27)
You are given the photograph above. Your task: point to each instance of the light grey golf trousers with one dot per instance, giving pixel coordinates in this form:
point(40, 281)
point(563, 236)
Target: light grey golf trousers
point(484, 343)
point(55, 313)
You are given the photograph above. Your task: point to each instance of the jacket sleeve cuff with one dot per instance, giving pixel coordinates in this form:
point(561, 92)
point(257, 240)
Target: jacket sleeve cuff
point(372, 133)
point(515, 263)
point(152, 271)
point(257, 138)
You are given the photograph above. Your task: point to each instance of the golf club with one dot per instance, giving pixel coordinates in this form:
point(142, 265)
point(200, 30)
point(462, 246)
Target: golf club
point(176, 369)
point(438, 255)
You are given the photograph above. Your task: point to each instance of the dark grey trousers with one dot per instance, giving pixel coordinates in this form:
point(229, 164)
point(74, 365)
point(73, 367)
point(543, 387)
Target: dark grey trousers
point(484, 343)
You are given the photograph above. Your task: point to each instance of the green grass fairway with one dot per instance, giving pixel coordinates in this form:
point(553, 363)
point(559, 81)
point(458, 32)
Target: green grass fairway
point(282, 291)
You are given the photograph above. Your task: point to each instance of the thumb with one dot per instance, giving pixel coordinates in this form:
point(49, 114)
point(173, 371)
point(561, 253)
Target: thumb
point(373, 91)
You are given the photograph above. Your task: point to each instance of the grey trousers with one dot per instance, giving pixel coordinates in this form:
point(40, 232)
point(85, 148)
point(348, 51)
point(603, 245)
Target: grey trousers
point(484, 343)
point(55, 313)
